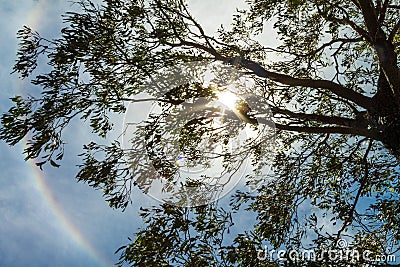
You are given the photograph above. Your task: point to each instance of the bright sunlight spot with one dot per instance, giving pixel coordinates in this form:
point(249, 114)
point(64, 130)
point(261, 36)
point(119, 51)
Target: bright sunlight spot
point(228, 99)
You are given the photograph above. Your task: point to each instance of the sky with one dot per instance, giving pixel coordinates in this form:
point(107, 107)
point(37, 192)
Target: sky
point(46, 217)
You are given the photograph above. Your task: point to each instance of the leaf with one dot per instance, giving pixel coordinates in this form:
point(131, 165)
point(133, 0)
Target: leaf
point(40, 164)
point(54, 164)
point(119, 249)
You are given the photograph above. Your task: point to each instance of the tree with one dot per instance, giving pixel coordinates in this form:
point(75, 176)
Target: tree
point(333, 94)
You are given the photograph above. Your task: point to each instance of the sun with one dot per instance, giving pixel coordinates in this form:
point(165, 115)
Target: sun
point(228, 99)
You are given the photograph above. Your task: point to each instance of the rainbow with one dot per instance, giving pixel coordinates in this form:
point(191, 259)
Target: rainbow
point(34, 20)
point(65, 222)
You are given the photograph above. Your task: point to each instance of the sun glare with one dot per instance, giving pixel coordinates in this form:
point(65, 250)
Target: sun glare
point(228, 99)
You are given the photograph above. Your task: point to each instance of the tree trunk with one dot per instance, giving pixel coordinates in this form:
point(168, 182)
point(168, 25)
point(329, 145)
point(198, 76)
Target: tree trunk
point(385, 116)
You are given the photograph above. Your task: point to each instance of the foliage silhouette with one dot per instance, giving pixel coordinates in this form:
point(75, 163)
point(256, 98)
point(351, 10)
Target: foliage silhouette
point(333, 92)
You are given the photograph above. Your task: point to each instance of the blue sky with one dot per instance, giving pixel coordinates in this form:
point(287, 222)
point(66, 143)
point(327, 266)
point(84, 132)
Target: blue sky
point(77, 228)
point(47, 218)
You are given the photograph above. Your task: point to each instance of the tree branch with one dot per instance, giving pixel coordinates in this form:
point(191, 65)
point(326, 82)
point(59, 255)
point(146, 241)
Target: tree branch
point(384, 48)
point(330, 130)
point(257, 69)
point(363, 33)
point(315, 117)
point(382, 12)
point(394, 6)
point(395, 29)
point(363, 181)
point(370, 17)
point(333, 87)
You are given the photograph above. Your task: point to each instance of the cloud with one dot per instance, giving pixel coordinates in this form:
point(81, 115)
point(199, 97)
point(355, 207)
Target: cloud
point(212, 14)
